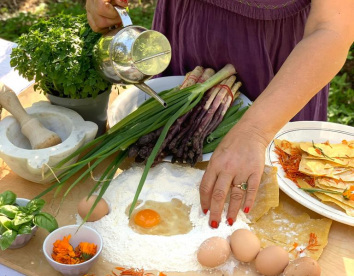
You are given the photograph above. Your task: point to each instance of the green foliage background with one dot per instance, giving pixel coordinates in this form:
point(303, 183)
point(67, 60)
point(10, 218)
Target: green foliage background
point(12, 25)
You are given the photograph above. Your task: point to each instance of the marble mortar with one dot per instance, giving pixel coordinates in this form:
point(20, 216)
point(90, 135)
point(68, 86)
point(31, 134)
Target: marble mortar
point(16, 151)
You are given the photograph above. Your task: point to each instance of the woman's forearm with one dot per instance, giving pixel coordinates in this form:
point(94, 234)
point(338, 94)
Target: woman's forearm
point(310, 66)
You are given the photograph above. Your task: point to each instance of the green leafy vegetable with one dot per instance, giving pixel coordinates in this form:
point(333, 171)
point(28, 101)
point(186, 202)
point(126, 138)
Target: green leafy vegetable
point(25, 229)
point(9, 211)
point(35, 205)
point(7, 198)
point(16, 220)
point(46, 221)
point(22, 218)
point(57, 52)
point(7, 238)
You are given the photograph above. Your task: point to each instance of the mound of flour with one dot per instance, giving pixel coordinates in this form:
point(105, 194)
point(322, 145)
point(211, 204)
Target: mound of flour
point(176, 253)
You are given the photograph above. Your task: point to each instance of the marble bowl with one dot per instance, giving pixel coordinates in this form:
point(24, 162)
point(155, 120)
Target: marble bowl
point(78, 234)
point(16, 151)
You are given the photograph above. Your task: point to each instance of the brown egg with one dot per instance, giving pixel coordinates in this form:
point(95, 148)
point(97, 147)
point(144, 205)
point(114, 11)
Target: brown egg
point(213, 252)
point(99, 212)
point(304, 266)
point(245, 245)
point(272, 260)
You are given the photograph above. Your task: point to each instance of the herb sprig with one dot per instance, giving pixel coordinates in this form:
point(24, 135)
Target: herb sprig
point(320, 151)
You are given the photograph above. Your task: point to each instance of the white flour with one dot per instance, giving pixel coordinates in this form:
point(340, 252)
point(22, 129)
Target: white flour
point(177, 253)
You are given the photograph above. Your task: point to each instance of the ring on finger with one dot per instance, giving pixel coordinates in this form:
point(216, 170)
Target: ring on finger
point(243, 186)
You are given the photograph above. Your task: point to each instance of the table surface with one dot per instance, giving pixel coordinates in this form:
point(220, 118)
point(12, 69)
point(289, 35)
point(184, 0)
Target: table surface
point(336, 259)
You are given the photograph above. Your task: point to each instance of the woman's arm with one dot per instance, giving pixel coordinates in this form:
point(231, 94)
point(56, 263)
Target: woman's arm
point(329, 33)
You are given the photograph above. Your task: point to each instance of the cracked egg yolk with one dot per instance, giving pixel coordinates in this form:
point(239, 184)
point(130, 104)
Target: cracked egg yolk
point(147, 218)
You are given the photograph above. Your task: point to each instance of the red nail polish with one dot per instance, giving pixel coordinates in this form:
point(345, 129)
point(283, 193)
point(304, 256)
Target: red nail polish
point(205, 211)
point(246, 210)
point(214, 224)
point(230, 221)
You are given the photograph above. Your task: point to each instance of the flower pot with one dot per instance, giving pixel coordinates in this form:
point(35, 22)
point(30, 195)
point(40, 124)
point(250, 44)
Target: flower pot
point(90, 109)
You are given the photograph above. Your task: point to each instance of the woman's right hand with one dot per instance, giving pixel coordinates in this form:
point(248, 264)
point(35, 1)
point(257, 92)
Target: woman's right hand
point(101, 14)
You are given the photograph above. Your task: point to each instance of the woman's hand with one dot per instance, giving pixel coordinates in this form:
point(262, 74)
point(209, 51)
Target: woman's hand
point(238, 159)
point(241, 154)
point(101, 14)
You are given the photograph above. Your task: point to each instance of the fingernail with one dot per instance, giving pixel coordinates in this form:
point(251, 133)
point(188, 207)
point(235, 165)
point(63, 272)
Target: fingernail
point(230, 221)
point(205, 211)
point(214, 224)
point(246, 210)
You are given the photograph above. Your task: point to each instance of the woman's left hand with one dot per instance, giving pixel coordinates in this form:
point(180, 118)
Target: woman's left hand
point(238, 159)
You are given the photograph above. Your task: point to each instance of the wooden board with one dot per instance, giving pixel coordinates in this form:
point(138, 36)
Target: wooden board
point(337, 258)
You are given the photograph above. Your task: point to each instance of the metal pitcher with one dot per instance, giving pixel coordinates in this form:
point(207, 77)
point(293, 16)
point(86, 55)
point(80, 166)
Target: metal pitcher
point(132, 54)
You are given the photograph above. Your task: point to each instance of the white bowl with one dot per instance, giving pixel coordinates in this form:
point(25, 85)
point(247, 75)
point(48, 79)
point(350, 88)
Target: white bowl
point(78, 234)
point(22, 239)
point(16, 151)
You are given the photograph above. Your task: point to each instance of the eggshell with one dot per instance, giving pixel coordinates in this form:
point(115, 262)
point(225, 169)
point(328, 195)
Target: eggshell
point(245, 245)
point(213, 252)
point(303, 266)
point(100, 210)
point(272, 260)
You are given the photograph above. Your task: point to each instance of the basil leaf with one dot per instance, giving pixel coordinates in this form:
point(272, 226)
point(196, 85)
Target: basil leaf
point(9, 210)
point(25, 229)
point(22, 218)
point(7, 198)
point(7, 238)
point(5, 224)
point(35, 205)
point(46, 221)
point(22, 209)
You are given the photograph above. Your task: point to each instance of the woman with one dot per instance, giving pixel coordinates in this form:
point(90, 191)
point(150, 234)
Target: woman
point(285, 51)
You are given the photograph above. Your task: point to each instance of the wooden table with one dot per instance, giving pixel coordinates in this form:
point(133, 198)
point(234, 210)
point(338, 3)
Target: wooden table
point(337, 258)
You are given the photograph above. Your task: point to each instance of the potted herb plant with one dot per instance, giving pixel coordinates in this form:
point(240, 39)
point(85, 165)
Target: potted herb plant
point(58, 53)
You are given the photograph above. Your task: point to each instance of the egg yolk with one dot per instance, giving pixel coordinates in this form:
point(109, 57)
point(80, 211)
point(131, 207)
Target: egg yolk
point(147, 218)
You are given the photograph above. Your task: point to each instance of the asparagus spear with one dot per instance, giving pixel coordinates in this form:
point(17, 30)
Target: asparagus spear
point(219, 115)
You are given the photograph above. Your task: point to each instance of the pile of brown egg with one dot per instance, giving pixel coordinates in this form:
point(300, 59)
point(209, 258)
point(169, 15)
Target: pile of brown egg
point(246, 247)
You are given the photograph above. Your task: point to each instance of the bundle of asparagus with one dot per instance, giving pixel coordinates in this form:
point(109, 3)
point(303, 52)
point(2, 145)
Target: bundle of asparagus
point(185, 138)
point(147, 118)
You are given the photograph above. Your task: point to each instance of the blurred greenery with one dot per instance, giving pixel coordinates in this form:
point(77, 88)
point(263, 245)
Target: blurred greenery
point(341, 94)
point(13, 24)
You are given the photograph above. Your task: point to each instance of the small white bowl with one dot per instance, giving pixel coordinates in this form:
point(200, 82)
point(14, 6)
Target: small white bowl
point(22, 239)
point(82, 234)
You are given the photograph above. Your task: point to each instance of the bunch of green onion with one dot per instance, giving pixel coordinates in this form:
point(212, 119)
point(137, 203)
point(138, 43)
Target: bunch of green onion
point(147, 117)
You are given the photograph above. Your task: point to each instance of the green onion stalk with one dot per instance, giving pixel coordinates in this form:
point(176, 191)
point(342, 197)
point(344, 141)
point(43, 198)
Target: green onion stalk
point(214, 138)
point(148, 117)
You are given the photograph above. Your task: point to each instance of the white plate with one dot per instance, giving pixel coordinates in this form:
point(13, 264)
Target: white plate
point(127, 102)
point(310, 131)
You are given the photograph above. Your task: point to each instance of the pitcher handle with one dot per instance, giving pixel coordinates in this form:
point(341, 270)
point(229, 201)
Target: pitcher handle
point(124, 16)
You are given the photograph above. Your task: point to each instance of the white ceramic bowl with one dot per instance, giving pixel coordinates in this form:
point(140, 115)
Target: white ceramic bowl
point(23, 239)
point(16, 151)
point(82, 234)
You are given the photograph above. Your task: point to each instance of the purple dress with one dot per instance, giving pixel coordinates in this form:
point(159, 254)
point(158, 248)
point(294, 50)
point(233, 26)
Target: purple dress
point(255, 36)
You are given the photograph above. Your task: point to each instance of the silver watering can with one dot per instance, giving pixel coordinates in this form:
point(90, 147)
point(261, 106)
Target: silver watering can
point(132, 55)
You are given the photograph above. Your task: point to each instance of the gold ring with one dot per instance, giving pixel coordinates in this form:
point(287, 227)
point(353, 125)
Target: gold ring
point(243, 186)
